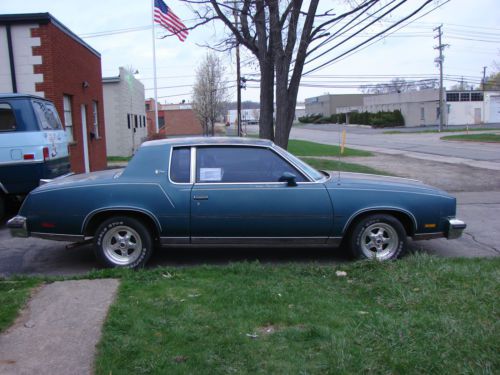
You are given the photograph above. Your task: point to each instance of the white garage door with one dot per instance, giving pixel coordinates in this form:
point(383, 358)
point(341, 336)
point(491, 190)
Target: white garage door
point(494, 109)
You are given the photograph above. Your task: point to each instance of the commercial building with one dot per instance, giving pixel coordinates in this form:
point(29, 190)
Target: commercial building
point(473, 107)
point(124, 113)
point(327, 105)
point(41, 56)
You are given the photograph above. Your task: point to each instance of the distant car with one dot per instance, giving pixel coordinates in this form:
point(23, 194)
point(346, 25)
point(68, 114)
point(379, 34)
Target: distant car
point(232, 191)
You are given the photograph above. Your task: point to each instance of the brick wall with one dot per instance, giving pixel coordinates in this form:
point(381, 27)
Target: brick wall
point(66, 64)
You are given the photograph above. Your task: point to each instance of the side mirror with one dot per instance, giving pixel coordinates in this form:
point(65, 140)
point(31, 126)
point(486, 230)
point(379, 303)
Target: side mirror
point(289, 178)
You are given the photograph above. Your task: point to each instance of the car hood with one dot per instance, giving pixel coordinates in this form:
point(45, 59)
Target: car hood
point(82, 179)
point(380, 182)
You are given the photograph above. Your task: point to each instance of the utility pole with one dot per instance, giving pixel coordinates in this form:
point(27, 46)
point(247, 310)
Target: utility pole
point(238, 71)
point(440, 60)
point(484, 77)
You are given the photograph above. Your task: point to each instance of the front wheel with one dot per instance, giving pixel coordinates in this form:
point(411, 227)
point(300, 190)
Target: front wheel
point(380, 237)
point(123, 242)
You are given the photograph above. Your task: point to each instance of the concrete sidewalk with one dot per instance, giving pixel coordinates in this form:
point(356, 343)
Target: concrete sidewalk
point(57, 332)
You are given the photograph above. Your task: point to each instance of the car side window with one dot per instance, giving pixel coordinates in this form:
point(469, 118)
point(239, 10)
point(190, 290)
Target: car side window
point(180, 165)
point(7, 118)
point(241, 164)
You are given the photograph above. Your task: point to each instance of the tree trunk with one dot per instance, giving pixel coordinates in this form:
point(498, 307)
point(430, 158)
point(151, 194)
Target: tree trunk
point(266, 129)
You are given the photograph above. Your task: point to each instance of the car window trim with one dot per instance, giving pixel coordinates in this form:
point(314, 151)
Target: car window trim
point(190, 165)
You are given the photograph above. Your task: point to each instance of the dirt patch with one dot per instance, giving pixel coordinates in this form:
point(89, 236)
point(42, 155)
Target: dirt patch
point(449, 177)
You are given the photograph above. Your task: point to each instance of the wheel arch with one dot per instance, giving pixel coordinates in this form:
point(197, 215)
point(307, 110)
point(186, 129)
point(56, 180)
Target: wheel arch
point(406, 218)
point(95, 218)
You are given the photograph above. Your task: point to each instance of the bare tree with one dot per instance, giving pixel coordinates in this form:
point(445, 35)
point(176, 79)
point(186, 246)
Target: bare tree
point(282, 35)
point(210, 92)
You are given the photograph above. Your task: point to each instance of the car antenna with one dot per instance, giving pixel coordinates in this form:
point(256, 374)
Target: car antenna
point(338, 164)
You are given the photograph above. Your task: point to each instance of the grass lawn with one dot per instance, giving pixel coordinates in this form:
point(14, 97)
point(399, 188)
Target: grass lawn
point(335, 165)
point(119, 158)
point(306, 148)
point(484, 137)
point(13, 296)
point(420, 315)
point(436, 131)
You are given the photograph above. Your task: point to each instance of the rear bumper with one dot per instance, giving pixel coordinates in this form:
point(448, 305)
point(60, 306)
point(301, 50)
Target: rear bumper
point(455, 228)
point(18, 226)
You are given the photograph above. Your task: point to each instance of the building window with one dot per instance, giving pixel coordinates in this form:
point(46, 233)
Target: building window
point(68, 118)
point(452, 97)
point(161, 121)
point(147, 106)
point(7, 118)
point(465, 97)
point(96, 119)
point(422, 114)
point(128, 120)
point(476, 97)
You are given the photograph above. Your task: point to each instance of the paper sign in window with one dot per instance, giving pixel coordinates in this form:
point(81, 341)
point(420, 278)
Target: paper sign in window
point(210, 174)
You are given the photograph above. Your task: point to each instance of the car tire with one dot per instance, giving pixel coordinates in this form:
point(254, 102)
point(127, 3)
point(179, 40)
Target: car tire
point(381, 237)
point(123, 242)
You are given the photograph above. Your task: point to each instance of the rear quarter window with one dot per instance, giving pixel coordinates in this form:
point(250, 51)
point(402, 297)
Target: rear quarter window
point(47, 115)
point(7, 118)
point(180, 165)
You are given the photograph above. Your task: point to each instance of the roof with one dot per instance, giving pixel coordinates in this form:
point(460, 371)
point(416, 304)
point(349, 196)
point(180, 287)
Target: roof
point(111, 79)
point(20, 96)
point(43, 18)
point(188, 141)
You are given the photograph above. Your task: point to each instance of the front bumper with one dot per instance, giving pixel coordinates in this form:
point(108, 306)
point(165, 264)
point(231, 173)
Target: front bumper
point(455, 228)
point(18, 226)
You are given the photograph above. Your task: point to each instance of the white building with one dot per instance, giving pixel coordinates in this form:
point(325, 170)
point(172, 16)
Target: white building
point(473, 107)
point(124, 114)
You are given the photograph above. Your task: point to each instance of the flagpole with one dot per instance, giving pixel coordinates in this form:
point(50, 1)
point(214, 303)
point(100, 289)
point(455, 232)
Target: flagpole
point(157, 127)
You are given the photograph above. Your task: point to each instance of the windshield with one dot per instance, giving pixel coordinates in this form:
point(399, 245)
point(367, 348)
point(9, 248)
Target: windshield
point(313, 173)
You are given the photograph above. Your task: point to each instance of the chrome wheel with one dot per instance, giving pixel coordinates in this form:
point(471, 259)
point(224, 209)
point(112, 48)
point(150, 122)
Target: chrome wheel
point(122, 245)
point(380, 241)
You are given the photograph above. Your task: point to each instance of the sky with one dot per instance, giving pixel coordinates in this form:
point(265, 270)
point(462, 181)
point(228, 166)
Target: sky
point(121, 32)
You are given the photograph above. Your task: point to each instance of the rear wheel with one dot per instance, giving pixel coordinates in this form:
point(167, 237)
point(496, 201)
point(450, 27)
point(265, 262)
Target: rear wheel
point(123, 242)
point(380, 237)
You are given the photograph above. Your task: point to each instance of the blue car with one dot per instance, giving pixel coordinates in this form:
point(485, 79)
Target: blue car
point(232, 191)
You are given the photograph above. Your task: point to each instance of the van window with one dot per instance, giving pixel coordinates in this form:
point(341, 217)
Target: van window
point(7, 118)
point(47, 115)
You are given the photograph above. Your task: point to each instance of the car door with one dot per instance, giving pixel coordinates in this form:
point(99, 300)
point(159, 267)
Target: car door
point(238, 198)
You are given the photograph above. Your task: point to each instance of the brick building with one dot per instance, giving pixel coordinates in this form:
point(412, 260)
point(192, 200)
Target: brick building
point(41, 56)
point(173, 119)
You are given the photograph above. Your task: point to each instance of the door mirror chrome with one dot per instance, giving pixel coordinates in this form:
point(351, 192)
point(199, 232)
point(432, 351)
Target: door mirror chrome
point(290, 179)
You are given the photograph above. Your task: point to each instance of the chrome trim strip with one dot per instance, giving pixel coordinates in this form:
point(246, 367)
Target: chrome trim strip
point(260, 240)
point(59, 237)
point(334, 241)
point(192, 171)
point(87, 219)
point(170, 166)
point(165, 241)
point(380, 208)
point(17, 162)
point(3, 188)
point(428, 236)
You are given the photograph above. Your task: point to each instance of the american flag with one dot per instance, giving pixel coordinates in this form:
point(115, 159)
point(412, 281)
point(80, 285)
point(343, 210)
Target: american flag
point(165, 17)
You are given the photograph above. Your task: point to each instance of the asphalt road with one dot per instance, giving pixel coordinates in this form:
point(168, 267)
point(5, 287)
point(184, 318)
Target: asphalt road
point(427, 145)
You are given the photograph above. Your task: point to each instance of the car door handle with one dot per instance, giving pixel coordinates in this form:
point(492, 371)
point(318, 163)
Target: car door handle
point(200, 197)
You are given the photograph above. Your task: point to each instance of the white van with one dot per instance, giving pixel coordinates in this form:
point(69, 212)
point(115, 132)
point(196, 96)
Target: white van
point(33, 145)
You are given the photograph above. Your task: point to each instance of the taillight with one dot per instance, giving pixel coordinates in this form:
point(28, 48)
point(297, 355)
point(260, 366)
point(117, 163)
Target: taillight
point(29, 156)
point(45, 153)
